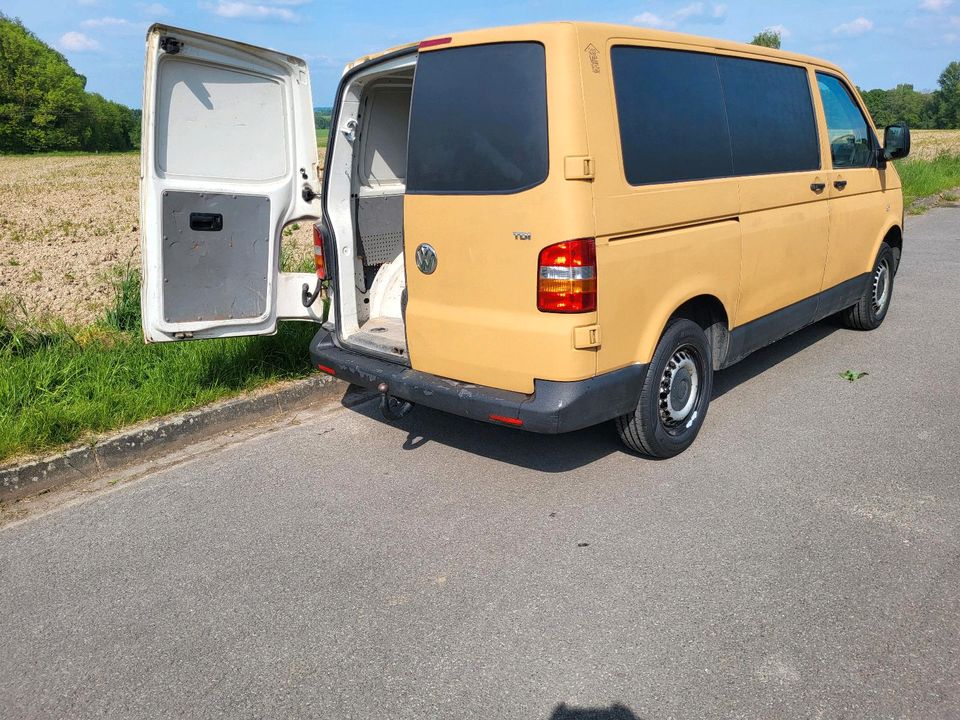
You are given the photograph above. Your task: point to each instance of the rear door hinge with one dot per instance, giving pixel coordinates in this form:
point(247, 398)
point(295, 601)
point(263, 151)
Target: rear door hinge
point(579, 167)
point(586, 337)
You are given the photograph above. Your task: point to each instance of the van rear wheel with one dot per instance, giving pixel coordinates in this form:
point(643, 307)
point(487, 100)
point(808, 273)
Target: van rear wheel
point(675, 396)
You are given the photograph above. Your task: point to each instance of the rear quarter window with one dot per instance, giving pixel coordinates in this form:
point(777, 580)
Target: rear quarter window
point(695, 116)
point(672, 122)
point(478, 120)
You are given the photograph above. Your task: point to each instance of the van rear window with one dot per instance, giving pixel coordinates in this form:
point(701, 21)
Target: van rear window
point(478, 120)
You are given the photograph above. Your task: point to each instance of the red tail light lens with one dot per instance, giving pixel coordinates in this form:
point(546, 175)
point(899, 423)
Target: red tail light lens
point(318, 260)
point(567, 277)
point(516, 422)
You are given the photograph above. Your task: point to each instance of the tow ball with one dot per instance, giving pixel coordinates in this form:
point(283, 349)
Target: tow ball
point(392, 408)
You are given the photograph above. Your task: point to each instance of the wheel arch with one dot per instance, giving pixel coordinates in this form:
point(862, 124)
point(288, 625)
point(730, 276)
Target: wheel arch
point(892, 236)
point(709, 312)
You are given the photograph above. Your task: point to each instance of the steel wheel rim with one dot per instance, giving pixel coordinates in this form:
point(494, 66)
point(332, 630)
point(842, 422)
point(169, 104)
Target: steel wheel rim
point(680, 385)
point(881, 286)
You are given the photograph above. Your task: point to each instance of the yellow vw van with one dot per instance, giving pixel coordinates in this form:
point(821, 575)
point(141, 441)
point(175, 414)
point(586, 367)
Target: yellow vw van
point(545, 227)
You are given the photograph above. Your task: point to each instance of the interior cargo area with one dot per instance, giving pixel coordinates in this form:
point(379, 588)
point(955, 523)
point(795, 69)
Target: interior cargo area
point(368, 167)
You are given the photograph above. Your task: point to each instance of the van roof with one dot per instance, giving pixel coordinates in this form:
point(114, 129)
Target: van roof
point(631, 32)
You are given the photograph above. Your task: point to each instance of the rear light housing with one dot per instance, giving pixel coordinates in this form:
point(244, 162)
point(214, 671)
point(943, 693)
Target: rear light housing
point(567, 277)
point(318, 260)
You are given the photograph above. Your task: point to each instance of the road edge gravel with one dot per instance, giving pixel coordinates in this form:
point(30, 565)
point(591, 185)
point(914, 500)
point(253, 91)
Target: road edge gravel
point(133, 445)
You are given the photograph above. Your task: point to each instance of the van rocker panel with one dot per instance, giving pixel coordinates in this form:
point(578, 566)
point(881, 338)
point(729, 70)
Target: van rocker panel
point(554, 407)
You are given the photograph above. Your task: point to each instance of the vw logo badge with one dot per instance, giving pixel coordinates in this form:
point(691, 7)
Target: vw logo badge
point(426, 258)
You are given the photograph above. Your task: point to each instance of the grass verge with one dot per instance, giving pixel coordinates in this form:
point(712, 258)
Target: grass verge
point(59, 383)
point(922, 178)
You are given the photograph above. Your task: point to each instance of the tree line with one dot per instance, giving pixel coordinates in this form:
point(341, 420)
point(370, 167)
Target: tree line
point(44, 105)
point(937, 109)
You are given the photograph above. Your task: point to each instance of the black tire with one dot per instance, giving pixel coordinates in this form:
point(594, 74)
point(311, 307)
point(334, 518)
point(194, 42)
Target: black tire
point(654, 429)
point(873, 305)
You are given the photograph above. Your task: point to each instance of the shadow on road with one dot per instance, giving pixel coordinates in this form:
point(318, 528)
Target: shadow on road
point(614, 712)
point(770, 356)
point(547, 453)
point(562, 453)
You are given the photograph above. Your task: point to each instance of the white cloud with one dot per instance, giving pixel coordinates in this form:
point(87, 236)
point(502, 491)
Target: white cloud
point(699, 12)
point(252, 11)
point(650, 19)
point(321, 60)
point(854, 28)
point(935, 5)
point(107, 22)
point(78, 42)
point(782, 29)
point(155, 10)
point(694, 12)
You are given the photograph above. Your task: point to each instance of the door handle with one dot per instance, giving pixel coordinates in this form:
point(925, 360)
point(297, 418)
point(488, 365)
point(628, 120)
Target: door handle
point(206, 222)
point(840, 184)
point(818, 187)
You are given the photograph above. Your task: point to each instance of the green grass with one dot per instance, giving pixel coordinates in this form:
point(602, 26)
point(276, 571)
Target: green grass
point(322, 136)
point(59, 384)
point(928, 177)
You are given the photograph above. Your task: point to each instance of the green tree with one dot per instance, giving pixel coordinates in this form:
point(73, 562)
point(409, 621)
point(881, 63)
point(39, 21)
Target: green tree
point(767, 38)
point(321, 118)
point(948, 97)
point(901, 104)
point(43, 102)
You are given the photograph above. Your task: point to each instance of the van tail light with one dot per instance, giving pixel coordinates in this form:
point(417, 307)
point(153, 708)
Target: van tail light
point(567, 277)
point(318, 260)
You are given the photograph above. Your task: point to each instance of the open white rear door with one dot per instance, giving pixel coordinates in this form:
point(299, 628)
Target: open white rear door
point(229, 157)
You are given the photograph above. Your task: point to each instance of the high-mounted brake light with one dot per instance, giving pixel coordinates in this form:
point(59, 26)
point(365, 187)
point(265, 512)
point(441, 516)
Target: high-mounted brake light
point(434, 42)
point(567, 277)
point(318, 260)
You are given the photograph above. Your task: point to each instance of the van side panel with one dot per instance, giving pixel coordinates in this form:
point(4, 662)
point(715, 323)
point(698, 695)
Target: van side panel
point(644, 278)
point(475, 318)
point(785, 228)
point(657, 245)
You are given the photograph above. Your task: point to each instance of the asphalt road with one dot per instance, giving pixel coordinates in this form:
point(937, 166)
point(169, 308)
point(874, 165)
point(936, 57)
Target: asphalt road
point(802, 560)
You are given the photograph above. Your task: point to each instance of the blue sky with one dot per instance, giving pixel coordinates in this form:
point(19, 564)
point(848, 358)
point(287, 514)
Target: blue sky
point(879, 43)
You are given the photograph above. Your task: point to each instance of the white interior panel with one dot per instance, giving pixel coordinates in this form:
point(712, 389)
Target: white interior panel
point(203, 109)
point(385, 137)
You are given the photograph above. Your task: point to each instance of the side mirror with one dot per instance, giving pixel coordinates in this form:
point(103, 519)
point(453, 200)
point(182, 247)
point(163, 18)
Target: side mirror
point(896, 141)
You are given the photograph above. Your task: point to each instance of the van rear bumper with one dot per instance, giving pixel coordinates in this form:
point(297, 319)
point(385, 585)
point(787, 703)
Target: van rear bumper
point(554, 407)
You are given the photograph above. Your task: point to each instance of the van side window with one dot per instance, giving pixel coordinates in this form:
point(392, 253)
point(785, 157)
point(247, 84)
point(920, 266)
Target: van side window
point(693, 116)
point(851, 142)
point(478, 120)
point(773, 128)
point(672, 122)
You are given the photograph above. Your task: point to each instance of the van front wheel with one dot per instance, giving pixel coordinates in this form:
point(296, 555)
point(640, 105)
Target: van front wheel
point(872, 307)
point(675, 395)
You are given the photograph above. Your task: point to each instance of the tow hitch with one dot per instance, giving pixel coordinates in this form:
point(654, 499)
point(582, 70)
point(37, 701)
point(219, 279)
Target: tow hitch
point(392, 408)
